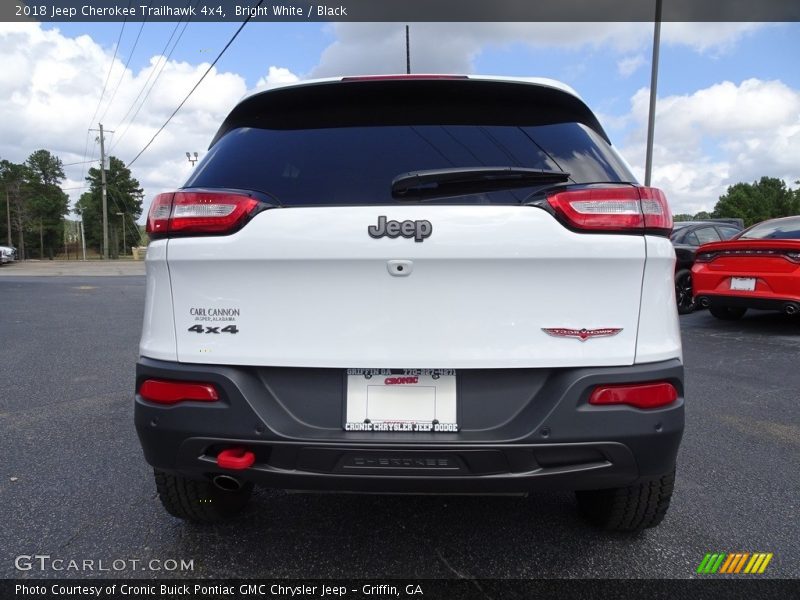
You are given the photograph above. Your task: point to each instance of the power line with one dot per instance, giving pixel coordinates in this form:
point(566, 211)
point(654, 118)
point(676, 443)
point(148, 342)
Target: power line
point(110, 68)
point(196, 85)
point(158, 68)
point(85, 154)
point(83, 162)
point(124, 69)
point(105, 85)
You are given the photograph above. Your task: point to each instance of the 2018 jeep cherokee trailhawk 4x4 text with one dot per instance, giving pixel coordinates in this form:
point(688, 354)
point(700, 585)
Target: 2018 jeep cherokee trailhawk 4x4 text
point(412, 284)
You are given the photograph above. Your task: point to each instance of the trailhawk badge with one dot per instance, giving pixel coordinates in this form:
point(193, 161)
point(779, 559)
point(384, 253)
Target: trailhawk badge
point(581, 334)
point(419, 230)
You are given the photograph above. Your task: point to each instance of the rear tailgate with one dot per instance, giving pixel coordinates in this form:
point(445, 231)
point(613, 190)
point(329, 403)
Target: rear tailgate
point(309, 287)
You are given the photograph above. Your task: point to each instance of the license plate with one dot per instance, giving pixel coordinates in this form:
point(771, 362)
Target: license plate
point(747, 284)
point(401, 400)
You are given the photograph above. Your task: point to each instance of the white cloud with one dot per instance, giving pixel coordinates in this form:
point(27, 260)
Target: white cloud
point(708, 37)
point(49, 86)
point(628, 65)
point(277, 76)
point(717, 136)
point(375, 48)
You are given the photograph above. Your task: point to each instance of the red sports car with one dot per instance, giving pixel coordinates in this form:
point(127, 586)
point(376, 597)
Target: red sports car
point(759, 268)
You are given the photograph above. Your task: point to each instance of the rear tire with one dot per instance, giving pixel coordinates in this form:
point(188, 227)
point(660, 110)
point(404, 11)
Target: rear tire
point(198, 500)
point(628, 509)
point(683, 292)
point(727, 313)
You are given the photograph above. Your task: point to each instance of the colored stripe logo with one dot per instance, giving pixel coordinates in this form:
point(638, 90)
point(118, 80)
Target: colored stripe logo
point(734, 563)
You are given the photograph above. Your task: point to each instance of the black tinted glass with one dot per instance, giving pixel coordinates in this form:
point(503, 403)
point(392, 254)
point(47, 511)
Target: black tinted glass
point(356, 165)
point(783, 229)
point(728, 232)
point(706, 235)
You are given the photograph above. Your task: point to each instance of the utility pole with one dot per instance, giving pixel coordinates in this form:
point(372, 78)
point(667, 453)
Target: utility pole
point(8, 215)
point(408, 52)
point(83, 240)
point(122, 214)
point(105, 191)
point(104, 188)
point(651, 118)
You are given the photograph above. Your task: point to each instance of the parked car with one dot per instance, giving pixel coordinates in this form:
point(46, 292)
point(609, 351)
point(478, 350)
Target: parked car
point(7, 254)
point(686, 237)
point(412, 284)
point(759, 269)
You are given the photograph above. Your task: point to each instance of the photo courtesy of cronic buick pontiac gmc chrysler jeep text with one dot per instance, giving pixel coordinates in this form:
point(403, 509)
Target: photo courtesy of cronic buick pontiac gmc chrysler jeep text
point(437, 284)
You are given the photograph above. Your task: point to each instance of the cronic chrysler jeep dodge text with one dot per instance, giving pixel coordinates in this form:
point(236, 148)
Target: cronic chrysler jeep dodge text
point(419, 283)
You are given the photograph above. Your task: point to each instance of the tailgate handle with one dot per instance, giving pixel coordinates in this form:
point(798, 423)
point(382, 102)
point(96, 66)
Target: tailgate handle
point(399, 268)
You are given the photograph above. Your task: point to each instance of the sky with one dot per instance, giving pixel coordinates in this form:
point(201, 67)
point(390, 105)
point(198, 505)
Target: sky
point(728, 93)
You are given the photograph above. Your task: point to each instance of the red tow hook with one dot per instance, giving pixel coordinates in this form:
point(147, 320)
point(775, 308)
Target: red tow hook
point(236, 458)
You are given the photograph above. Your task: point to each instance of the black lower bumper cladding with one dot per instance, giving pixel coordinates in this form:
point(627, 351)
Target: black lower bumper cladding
point(521, 430)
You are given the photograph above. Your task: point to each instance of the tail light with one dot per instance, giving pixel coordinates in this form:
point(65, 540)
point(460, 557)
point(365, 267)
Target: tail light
point(704, 257)
point(614, 209)
point(638, 395)
point(790, 255)
point(171, 392)
point(198, 212)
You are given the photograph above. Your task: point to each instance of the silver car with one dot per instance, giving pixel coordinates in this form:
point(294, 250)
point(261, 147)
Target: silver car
point(7, 254)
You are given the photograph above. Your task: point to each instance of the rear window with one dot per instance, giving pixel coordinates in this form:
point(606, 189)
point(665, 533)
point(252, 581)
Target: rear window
point(782, 229)
point(355, 165)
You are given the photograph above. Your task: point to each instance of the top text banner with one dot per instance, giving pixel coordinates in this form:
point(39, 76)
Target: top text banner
point(399, 10)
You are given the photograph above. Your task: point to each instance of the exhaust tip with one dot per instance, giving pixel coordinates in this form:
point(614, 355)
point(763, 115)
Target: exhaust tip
point(790, 308)
point(704, 302)
point(227, 483)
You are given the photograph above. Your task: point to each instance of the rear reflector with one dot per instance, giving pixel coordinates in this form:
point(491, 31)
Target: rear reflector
point(171, 392)
point(198, 212)
point(614, 209)
point(639, 395)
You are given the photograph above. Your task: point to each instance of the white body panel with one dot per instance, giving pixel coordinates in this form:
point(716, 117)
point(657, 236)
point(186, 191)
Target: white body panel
point(158, 331)
point(308, 287)
point(659, 329)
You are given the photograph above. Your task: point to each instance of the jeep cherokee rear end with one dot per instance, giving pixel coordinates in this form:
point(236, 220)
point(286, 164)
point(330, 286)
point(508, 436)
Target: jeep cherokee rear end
point(412, 284)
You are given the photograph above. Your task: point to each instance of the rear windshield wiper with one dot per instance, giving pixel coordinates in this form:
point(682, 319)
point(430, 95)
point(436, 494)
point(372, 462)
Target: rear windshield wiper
point(456, 181)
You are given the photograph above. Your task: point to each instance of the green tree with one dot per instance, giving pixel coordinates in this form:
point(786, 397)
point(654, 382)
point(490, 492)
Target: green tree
point(36, 203)
point(682, 217)
point(766, 198)
point(47, 203)
point(15, 178)
point(124, 196)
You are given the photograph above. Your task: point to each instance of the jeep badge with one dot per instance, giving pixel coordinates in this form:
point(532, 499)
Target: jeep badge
point(419, 230)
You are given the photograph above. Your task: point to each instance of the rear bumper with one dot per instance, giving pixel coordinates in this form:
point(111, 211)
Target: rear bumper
point(786, 305)
point(774, 289)
point(521, 430)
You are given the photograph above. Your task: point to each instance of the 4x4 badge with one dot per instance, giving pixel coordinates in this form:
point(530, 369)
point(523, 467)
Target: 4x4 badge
point(581, 334)
point(419, 230)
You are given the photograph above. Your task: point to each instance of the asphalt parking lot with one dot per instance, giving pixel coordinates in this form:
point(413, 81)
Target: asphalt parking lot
point(74, 485)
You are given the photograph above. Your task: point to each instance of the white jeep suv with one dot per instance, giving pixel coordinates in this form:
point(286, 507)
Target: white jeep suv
point(416, 283)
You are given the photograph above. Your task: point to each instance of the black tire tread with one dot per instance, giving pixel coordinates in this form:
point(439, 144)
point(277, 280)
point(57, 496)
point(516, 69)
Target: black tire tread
point(197, 500)
point(628, 509)
point(727, 313)
point(686, 309)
